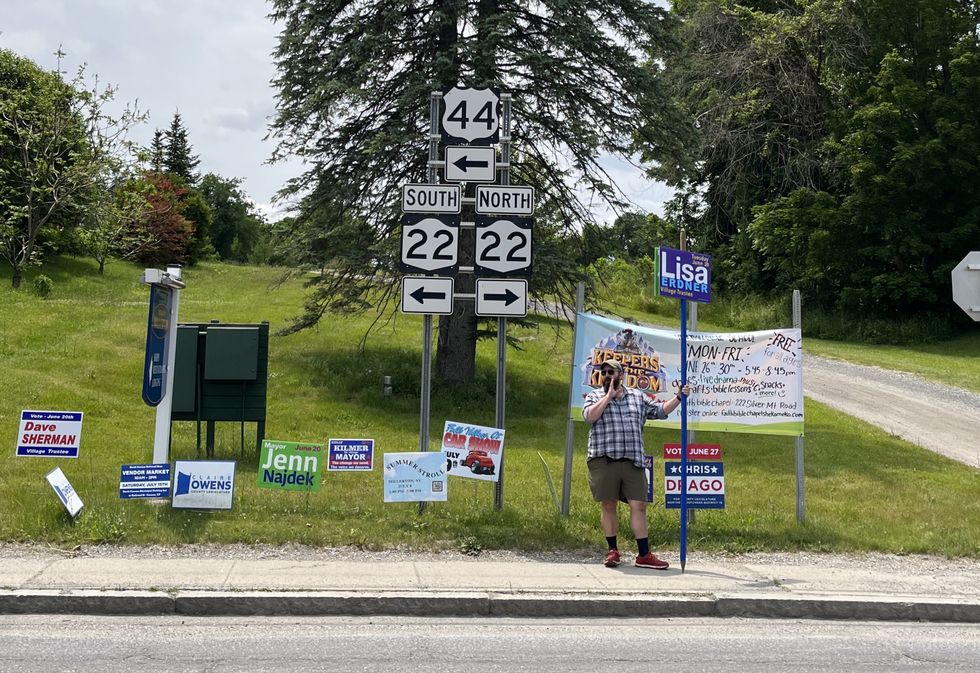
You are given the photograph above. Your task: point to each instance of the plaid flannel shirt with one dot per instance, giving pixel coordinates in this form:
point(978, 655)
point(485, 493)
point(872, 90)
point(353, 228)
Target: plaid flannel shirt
point(618, 433)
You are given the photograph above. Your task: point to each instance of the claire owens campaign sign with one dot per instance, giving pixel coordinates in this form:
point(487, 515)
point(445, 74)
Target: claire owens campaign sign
point(49, 434)
point(203, 484)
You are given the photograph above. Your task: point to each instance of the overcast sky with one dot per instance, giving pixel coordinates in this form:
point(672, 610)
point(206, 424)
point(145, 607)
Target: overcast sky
point(209, 59)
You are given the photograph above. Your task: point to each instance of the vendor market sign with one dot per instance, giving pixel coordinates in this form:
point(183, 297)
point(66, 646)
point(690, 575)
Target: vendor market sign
point(49, 434)
point(290, 466)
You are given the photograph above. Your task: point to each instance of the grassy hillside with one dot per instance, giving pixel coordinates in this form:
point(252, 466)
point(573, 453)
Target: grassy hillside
point(82, 350)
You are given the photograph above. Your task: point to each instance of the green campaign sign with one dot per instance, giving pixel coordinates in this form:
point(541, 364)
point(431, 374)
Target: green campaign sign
point(290, 466)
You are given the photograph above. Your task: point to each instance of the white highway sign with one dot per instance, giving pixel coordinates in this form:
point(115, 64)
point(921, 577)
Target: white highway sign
point(966, 285)
point(504, 200)
point(430, 243)
point(433, 296)
point(470, 164)
point(505, 297)
point(432, 199)
point(503, 245)
point(470, 116)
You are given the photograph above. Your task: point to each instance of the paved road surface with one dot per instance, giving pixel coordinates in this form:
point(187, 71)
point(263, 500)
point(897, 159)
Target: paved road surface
point(31, 644)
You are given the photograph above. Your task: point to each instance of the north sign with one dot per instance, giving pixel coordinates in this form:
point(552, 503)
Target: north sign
point(504, 200)
point(470, 116)
point(470, 164)
point(432, 199)
point(433, 296)
point(504, 297)
point(430, 243)
point(503, 246)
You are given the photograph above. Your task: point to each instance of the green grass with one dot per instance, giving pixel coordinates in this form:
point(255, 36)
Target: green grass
point(82, 348)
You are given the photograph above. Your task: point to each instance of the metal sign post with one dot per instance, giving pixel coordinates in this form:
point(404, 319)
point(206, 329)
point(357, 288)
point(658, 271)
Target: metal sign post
point(169, 279)
point(566, 481)
point(498, 494)
point(800, 510)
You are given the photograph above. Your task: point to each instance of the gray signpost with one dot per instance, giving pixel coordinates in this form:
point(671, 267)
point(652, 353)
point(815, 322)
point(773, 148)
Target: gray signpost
point(471, 122)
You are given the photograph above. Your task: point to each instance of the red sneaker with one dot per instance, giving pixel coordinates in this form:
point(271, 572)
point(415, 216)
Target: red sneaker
point(612, 559)
point(650, 560)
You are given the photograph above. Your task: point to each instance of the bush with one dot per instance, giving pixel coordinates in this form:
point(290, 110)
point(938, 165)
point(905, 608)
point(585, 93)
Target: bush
point(43, 286)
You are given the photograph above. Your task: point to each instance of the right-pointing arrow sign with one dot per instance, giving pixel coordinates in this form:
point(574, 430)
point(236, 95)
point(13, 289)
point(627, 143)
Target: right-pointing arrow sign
point(501, 297)
point(427, 295)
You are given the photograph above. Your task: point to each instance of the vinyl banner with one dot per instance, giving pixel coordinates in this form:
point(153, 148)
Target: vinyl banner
point(740, 382)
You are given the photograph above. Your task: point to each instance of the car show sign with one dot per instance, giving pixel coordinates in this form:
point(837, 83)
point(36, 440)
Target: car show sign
point(415, 477)
point(65, 492)
point(203, 484)
point(470, 115)
point(503, 246)
point(290, 466)
point(430, 243)
point(144, 481)
point(473, 451)
point(49, 434)
point(350, 455)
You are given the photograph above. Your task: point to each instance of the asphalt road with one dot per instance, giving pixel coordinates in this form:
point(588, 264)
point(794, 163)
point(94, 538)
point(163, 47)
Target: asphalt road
point(41, 644)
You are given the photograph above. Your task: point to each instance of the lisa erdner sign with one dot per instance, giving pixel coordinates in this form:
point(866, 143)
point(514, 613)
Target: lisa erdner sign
point(203, 484)
point(49, 434)
point(683, 274)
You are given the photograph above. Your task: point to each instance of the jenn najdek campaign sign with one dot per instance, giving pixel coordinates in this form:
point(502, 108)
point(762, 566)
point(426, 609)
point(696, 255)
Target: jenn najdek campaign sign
point(740, 382)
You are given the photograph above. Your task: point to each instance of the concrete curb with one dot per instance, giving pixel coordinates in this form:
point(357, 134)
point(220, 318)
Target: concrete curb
point(479, 604)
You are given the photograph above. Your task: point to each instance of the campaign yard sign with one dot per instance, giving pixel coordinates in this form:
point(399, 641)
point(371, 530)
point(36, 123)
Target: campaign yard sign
point(65, 492)
point(49, 434)
point(415, 477)
point(144, 481)
point(289, 466)
point(473, 451)
point(350, 455)
point(705, 485)
point(203, 484)
point(648, 470)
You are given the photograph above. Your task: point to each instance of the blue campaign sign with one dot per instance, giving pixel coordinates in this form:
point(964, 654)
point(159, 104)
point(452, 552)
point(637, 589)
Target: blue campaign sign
point(648, 469)
point(157, 336)
point(705, 485)
point(683, 274)
point(144, 481)
point(350, 455)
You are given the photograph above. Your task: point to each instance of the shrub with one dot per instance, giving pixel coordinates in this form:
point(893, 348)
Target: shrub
point(43, 286)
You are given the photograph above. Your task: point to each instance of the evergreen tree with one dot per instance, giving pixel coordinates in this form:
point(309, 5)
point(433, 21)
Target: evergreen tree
point(157, 152)
point(354, 82)
point(179, 158)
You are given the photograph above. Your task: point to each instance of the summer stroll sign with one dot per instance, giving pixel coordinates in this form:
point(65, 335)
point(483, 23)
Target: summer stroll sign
point(740, 382)
point(415, 477)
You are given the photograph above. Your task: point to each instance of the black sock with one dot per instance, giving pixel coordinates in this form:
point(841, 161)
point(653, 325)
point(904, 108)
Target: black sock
point(611, 541)
point(642, 546)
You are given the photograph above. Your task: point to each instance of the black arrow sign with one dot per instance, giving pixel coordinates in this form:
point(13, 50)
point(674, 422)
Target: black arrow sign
point(420, 295)
point(507, 297)
point(463, 165)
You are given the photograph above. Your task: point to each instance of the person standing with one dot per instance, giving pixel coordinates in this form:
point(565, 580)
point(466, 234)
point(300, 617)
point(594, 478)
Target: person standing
point(616, 415)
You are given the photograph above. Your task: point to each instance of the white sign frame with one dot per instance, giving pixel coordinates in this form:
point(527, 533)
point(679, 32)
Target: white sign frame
point(497, 307)
point(456, 154)
point(505, 190)
point(966, 285)
point(464, 110)
point(496, 235)
point(415, 284)
point(433, 239)
point(446, 192)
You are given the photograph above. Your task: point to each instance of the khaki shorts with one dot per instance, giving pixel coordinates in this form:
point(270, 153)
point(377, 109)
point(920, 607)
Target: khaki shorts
point(616, 479)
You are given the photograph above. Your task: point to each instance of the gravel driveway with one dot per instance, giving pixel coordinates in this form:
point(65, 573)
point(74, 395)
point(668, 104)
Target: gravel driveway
point(941, 418)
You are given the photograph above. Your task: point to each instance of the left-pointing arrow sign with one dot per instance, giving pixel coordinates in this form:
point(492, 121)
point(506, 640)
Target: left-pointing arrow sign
point(427, 295)
point(465, 163)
